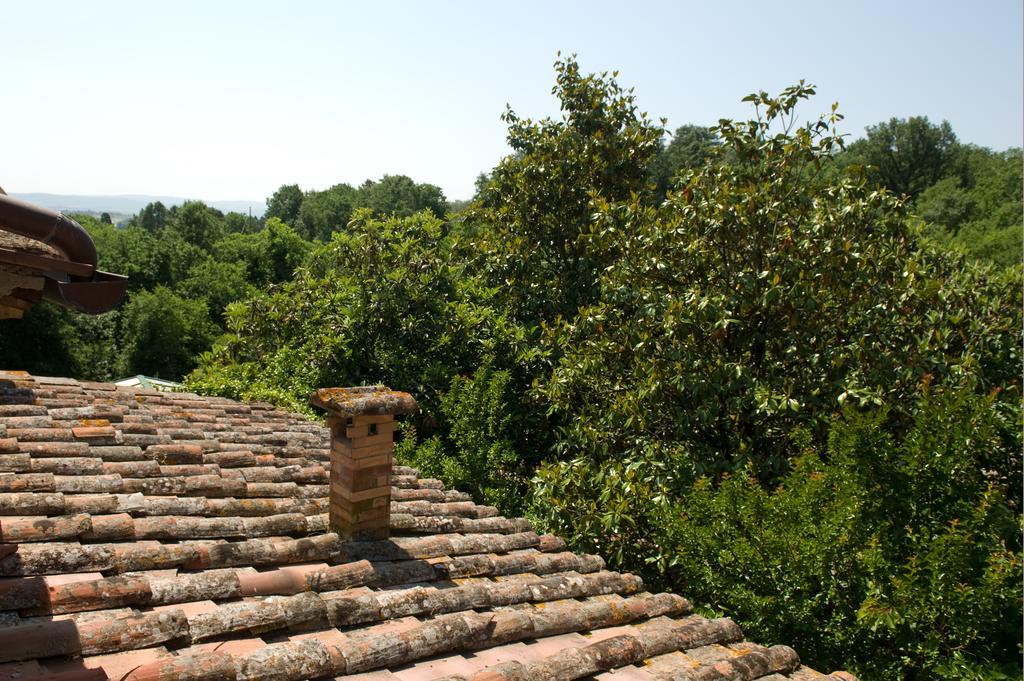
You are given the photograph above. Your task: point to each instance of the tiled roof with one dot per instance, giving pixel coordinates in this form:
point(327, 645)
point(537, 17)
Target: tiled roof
point(153, 535)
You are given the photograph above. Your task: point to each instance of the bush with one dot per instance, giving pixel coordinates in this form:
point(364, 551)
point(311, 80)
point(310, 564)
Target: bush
point(476, 453)
point(897, 557)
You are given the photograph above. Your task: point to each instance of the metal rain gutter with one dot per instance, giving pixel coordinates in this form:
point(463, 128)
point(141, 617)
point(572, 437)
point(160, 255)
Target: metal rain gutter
point(76, 284)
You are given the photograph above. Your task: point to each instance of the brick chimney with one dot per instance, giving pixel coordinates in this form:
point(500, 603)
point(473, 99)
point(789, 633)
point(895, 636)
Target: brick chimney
point(362, 424)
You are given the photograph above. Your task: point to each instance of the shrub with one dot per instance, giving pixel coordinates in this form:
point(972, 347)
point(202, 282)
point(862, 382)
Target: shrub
point(897, 557)
point(476, 452)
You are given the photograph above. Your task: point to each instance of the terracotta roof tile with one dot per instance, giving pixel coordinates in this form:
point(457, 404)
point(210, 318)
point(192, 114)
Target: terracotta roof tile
point(149, 535)
point(119, 665)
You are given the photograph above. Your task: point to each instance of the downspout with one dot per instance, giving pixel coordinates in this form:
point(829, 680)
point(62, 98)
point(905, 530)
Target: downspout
point(48, 226)
point(85, 289)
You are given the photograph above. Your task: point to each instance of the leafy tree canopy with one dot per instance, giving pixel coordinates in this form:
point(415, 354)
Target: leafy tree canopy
point(978, 206)
point(218, 283)
point(907, 155)
point(761, 296)
point(164, 333)
point(689, 148)
point(398, 195)
point(285, 204)
point(324, 212)
point(537, 202)
point(153, 217)
point(197, 223)
point(385, 301)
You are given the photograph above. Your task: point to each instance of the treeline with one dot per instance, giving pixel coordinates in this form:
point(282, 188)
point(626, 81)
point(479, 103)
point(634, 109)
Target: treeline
point(730, 363)
point(185, 265)
point(966, 197)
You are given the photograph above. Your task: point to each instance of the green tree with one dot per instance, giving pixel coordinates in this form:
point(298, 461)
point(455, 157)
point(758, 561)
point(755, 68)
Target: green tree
point(458, 206)
point(1002, 246)
point(690, 148)
point(147, 259)
point(480, 185)
point(398, 195)
point(907, 155)
point(285, 204)
point(324, 212)
point(386, 301)
point(197, 224)
point(537, 203)
point(947, 204)
point(54, 341)
point(40, 342)
point(270, 256)
point(131, 251)
point(93, 341)
point(979, 207)
point(216, 283)
point(163, 333)
point(235, 222)
point(756, 301)
point(153, 217)
point(285, 250)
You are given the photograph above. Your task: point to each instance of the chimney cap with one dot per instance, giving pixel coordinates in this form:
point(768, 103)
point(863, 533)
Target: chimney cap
point(370, 400)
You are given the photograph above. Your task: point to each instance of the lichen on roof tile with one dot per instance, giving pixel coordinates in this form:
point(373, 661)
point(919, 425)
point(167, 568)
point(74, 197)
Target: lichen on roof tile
point(363, 401)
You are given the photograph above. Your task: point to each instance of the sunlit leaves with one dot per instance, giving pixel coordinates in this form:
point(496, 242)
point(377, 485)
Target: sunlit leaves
point(538, 202)
point(761, 296)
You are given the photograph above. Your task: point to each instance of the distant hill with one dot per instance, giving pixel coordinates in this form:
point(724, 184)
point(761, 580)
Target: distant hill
point(128, 204)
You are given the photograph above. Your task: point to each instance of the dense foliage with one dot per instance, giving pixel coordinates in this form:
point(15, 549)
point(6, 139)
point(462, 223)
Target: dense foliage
point(906, 156)
point(894, 555)
point(775, 374)
point(185, 265)
point(977, 206)
point(967, 197)
point(751, 302)
point(385, 300)
point(537, 202)
point(318, 214)
point(765, 294)
point(690, 148)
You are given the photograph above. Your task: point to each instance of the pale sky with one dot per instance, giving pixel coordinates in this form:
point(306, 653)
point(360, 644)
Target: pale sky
point(229, 100)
